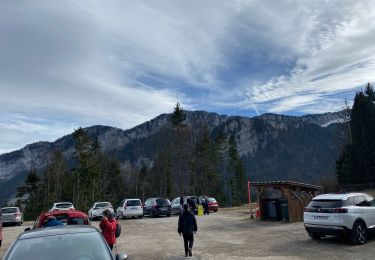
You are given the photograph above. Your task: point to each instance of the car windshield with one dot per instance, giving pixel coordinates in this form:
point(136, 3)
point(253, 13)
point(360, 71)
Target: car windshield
point(9, 210)
point(64, 205)
point(211, 200)
point(133, 203)
point(102, 205)
point(69, 246)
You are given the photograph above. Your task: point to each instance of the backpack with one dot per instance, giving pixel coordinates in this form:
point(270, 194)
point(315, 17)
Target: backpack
point(118, 230)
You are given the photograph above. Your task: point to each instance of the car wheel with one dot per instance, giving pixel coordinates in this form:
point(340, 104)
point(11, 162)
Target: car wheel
point(215, 210)
point(140, 216)
point(359, 233)
point(315, 236)
point(168, 215)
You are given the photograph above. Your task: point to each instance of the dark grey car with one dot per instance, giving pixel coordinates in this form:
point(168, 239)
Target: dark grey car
point(62, 243)
point(157, 206)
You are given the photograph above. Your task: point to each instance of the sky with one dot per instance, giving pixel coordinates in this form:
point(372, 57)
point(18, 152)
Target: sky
point(66, 64)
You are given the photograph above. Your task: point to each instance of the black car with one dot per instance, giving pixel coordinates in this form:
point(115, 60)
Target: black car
point(62, 243)
point(156, 207)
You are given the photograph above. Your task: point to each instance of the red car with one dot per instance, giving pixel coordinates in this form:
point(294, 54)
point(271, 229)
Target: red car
point(212, 205)
point(68, 217)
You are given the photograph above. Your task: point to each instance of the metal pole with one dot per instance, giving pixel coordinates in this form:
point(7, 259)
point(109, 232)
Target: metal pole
point(249, 193)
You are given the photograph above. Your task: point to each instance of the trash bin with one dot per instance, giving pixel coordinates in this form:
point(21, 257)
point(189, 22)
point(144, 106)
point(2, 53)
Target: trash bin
point(271, 210)
point(285, 211)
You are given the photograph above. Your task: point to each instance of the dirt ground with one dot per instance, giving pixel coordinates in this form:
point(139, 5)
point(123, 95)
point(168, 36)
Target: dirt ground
point(223, 235)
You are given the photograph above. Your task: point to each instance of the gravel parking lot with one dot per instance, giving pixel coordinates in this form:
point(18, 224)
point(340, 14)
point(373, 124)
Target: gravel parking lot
point(224, 235)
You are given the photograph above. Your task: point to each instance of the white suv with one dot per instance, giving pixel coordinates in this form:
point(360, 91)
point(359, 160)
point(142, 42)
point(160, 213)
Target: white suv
point(130, 208)
point(351, 214)
point(61, 206)
point(96, 210)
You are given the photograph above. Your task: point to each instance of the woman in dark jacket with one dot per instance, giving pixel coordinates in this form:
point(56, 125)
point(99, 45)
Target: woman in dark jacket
point(187, 225)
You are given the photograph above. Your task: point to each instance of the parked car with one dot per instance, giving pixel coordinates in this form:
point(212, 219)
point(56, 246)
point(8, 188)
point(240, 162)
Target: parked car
point(212, 203)
point(157, 206)
point(96, 210)
point(351, 215)
point(68, 217)
point(61, 206)
point(12, 216)
point(130, 208)
point(1, 229)
point(61, 243)
point(175, 207)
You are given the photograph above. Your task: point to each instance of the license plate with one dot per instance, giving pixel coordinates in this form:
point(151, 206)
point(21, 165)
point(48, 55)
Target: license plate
point(320, 217)
point(134, 208)
point(164, 208)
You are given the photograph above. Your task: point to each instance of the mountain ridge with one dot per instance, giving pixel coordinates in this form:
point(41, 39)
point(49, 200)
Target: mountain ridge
point(253, 135)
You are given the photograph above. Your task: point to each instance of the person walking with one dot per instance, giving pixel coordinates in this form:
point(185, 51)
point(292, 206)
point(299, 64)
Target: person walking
point(108, 227)
point(192, 205)
point(206, 209)
point(187, 226)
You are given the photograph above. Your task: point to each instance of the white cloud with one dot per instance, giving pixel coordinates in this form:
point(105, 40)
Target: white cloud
point(120, 63)
point(343, 59)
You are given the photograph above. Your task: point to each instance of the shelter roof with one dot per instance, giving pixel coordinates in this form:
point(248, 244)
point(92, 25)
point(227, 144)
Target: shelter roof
point(285, 184)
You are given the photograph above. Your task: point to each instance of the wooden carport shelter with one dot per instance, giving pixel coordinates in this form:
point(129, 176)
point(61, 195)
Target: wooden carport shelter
point(291, 202)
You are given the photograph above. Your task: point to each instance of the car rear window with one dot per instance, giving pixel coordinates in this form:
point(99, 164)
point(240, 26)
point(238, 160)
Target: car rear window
point(9, 210)
point(328, 204)
point(102, 205)
point(133, 203)
point(163, 202)
point(211, 200)
point(75, 221)
point(64, 205)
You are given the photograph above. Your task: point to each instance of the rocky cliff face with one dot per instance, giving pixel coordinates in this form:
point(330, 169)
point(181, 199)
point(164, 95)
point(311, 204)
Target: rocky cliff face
point(255, 137)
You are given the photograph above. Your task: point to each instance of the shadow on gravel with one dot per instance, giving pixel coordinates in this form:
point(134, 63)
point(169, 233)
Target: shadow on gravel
point(326, 247)
point(182, 257)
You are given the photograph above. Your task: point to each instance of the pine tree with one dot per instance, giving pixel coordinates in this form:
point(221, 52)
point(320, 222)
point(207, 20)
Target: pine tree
point(357, 161)
point(29, 196)
point(178, 116)
point(238, 181)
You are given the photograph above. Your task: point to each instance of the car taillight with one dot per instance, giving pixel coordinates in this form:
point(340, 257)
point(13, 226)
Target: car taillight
point(340, 210)
point(307, 210)
point(17, 214)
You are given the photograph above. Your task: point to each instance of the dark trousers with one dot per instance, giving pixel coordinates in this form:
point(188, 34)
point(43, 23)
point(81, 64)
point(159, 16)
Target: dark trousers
point(206, 211)
point(188, 241)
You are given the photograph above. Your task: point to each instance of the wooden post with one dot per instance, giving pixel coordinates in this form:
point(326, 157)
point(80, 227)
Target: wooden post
point(249, 193)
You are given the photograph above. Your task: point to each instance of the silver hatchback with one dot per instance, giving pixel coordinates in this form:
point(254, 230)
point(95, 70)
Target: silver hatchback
point(12, 216)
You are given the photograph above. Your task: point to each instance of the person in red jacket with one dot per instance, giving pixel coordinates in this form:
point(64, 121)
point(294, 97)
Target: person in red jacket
point(108, 227)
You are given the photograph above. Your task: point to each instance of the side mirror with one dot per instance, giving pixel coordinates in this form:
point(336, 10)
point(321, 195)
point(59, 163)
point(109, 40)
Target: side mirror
point(27, 229)
point(122, 256)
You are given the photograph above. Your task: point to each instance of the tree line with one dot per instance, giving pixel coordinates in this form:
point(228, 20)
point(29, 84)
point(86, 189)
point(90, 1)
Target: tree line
point(356, 164)
point(189, 161)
